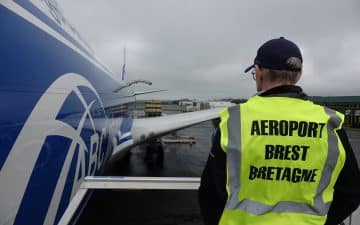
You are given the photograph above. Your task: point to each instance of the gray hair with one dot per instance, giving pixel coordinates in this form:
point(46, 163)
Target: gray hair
point(283, 76)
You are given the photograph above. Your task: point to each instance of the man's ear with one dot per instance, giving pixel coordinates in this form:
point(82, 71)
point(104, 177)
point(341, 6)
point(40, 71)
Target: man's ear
point(259, 73)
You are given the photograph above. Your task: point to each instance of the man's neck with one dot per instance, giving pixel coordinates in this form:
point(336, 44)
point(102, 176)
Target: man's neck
point(267, 86)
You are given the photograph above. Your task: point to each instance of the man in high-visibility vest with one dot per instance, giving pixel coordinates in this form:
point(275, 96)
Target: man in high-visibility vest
point(279, 158)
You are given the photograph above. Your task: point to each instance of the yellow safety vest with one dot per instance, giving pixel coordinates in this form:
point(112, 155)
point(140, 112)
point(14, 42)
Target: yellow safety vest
point(283, 159)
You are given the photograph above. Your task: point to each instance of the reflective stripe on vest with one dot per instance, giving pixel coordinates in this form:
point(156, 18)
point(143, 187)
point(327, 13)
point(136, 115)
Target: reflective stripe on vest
point(231, 143)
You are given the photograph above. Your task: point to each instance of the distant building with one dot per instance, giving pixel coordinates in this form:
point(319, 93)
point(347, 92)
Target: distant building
point(153, 108)
point(193, 105)
point(121, 110)
point(348, 105)
point(220, 104)
point(150, 108)
point(204, 105)
point(147, 108)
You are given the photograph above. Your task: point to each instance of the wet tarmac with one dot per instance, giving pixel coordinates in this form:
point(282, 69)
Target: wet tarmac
point(354, 138)
point(164, 207)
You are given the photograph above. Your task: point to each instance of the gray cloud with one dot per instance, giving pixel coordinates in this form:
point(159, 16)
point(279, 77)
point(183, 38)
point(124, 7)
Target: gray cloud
point(199, 49)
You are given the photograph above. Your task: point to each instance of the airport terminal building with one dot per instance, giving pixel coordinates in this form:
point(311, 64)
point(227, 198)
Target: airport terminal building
point(348, 105)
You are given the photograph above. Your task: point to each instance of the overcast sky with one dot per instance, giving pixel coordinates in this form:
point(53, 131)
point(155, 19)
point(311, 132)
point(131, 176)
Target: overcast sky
point(200, 48)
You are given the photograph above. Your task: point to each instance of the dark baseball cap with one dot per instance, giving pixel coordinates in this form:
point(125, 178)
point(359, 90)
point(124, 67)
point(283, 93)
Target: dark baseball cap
point(278, 54)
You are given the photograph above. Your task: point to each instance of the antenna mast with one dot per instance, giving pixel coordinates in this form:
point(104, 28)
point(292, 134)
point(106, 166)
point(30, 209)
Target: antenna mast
point(123, 66)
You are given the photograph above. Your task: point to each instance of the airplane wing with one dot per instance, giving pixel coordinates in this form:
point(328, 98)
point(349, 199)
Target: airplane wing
point(144, 129)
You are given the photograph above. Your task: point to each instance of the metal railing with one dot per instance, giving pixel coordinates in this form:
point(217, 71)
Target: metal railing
point(128, 183)
point(133, 183)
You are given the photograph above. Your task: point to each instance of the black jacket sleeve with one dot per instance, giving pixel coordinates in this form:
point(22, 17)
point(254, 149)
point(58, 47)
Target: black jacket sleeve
point(212, 192)
point(347, 188)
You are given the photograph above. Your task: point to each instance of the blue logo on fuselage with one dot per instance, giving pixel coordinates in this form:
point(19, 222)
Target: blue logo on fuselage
point(53, 127)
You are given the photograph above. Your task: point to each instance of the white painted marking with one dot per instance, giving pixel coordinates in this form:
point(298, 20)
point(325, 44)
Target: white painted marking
point(56, 198)
point(125, 135)
point(20, 163)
